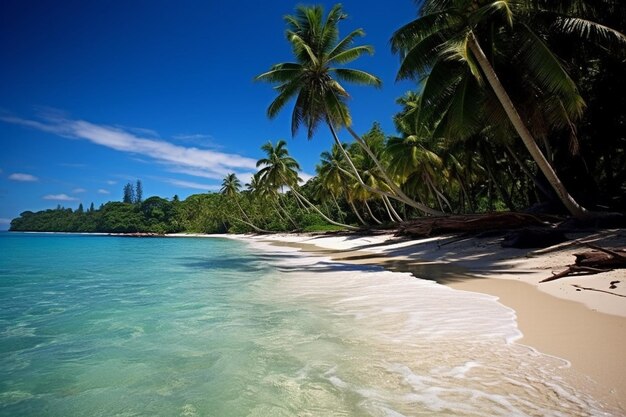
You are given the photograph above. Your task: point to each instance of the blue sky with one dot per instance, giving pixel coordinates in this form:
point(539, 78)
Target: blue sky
point(96, 94)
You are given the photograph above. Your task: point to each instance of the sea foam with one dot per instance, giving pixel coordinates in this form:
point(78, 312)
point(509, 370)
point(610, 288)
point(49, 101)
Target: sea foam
point(421, 348)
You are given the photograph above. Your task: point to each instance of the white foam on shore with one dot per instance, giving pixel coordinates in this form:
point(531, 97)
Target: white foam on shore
point(429, 347)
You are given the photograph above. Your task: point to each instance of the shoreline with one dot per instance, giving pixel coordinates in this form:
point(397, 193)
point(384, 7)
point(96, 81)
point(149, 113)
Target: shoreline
point(585, 328)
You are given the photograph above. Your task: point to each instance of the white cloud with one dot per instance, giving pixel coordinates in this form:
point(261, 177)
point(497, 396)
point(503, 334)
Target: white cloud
point(305, 177)
point(103, 191)
point(23, 177)
point(78, 190)
point(194, 185)
point(207, 161)
point(59, 197)
point(111, 182)
point(5, 221)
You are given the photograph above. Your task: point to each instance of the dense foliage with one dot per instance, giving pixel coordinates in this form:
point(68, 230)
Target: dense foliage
point(519, 105)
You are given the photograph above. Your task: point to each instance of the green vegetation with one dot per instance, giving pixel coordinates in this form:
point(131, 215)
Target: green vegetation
point(519, 105)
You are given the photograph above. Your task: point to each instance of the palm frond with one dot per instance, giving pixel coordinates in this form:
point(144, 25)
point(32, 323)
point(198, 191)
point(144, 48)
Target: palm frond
point(351, 54)
point(330, 31)
point(591, 31)
point(345, 43)
point(357, 77)
point(420, 57)
point(285, 93)
point(462, 118)
point(500, 8)
point(301, 46)
point(422, 28)
point(548, 71)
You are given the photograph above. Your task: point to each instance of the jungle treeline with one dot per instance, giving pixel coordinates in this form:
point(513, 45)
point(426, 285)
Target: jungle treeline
point(518, 106)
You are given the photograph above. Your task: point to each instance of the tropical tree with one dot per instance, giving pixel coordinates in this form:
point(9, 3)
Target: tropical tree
point(331, 174)
point(280, 170)
point(314, 81)
point(444, 46)
point(230, 189)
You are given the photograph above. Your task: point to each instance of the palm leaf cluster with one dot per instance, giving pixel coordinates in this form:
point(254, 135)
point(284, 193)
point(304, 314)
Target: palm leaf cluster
point(488, 73)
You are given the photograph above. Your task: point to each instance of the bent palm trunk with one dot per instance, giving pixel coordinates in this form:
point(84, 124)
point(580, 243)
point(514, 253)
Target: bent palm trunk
point(568, 201)
point(399, 195)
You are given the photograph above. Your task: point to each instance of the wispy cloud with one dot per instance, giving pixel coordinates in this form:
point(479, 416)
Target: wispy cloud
point(5, 221)
point(59, 197)
point(23, 177)
point(194, 185)
point(198, 139)
point(78, 190)
point(111, 182)
point(174, 156)
point(103, 191)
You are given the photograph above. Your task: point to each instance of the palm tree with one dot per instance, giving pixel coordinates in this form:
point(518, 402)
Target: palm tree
point(416, 165)
point(230, 188)
point(280, 170)
point(332, 174)
point(443, 44)
point(313, 81)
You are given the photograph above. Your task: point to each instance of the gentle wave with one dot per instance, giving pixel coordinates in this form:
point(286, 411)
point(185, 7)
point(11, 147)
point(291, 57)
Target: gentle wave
point(427, 349)
point(106, 326)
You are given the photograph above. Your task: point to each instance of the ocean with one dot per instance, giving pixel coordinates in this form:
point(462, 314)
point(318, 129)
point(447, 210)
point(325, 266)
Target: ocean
point(117, 326)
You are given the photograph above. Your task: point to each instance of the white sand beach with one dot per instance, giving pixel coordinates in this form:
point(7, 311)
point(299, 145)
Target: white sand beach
point(580, 319)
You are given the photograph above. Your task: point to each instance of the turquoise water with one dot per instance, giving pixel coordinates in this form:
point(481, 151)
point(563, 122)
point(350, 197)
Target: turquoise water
point(112, 326)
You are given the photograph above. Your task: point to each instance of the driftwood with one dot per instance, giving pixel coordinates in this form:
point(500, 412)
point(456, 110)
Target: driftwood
point(471, 223)
point(593, 262)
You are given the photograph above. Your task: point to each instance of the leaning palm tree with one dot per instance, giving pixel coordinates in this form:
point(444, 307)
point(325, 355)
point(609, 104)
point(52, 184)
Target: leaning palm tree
point(314, 81)
point(280, 170)
point(230, 188)
point(445, 43)
point(331, 172)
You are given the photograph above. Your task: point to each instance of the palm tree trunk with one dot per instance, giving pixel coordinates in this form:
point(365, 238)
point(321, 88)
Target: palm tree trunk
point(363, 222)
point(568, 201)
point(249, 222)
point(389, 212)
point(337, 205)
point(318, 211)
point(300, 203)
point(438, 194)
point(492, 163)
point(286, 212)
point(394, 213)
point(398, 196)
point(530, 175)
point(369, 210)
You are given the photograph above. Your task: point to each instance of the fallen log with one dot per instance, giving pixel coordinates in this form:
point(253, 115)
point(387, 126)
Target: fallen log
point(593, 262)
point(472, 223)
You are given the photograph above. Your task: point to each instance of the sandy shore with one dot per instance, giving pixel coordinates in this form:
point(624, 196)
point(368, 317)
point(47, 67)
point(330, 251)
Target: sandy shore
point(580, 319)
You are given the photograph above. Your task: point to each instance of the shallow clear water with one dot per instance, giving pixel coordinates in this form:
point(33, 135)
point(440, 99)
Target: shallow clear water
point(111, 326)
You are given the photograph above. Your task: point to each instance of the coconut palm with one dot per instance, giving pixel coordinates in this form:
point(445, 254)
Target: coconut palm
point(332, 174)
point(267, 194)
point(230, 188)
point(445, 44)
point(314, 81)
point(279, 170)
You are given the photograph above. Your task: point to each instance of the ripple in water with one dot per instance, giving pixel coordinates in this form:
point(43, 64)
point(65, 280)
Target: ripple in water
point(206, 327)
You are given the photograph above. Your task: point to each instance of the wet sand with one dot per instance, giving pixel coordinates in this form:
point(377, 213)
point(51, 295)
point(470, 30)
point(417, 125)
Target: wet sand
point(587, 327)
